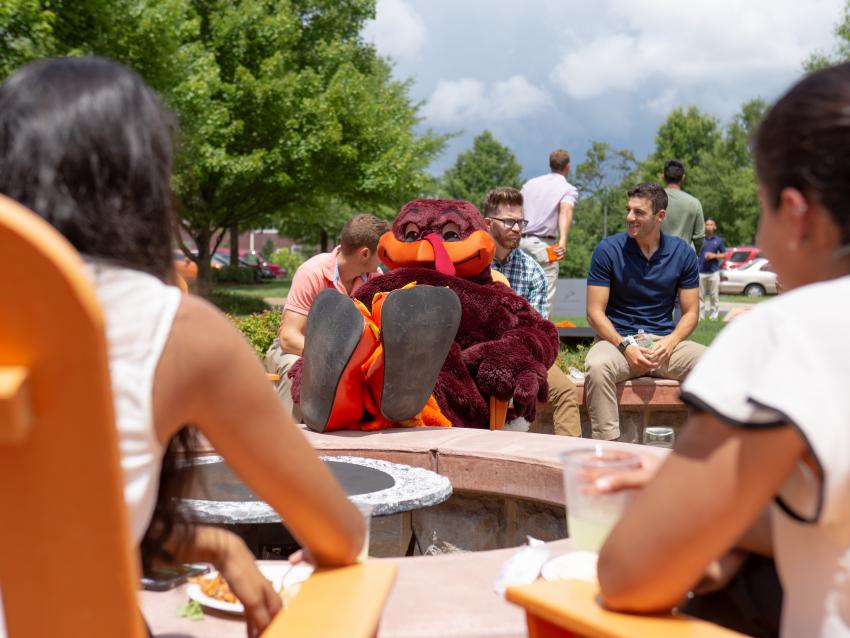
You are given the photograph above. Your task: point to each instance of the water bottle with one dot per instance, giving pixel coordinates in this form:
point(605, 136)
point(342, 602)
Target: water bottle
point(644, 340)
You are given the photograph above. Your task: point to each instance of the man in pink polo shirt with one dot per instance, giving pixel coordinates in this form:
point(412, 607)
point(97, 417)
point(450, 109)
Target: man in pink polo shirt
point(346, 268)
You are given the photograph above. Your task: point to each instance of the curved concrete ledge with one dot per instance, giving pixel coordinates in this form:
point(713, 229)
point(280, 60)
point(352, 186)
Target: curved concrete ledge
point(516, 464)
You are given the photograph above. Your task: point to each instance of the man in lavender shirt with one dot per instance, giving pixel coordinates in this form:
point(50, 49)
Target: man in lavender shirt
point(549, 201)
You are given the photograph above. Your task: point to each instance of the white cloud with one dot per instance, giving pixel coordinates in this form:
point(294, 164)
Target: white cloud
point(698, 45)
point(456, 101)
point(397, 31)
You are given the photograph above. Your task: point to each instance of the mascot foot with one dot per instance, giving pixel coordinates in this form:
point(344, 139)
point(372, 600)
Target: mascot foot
point(418, 326)
point(337, 341)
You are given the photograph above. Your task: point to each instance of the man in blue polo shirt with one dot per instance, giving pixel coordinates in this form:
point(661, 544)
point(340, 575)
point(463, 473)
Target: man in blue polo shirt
point(711, 256)
point(634, 280)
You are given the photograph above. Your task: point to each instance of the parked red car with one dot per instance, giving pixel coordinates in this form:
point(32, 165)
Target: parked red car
point(265, 269)
point(740, 256)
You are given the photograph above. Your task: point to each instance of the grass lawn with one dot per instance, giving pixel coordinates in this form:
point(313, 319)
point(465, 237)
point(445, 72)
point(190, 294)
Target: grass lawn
point(745, 298)
point(242, 300)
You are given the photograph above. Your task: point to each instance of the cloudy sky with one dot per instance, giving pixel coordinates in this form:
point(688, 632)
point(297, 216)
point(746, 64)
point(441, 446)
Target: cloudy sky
point(543, 74)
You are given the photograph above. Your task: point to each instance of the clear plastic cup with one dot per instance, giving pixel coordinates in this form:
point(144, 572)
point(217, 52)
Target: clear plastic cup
point(366, 512)
point(590, 514)
point(659, 436)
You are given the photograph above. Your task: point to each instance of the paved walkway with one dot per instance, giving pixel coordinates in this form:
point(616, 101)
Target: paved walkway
point(275, 301)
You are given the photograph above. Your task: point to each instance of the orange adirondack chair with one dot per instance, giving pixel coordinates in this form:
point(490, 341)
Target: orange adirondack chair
point(66, 562)
point(67, 565)
point(570, 609)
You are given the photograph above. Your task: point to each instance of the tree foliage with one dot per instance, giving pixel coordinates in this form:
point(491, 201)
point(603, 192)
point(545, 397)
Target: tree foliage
point(602, 180)
point(486, 165)
point(283, 110)
point(841, 49)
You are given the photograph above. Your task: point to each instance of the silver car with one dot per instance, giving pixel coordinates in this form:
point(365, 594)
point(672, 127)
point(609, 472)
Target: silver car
point(756, 279)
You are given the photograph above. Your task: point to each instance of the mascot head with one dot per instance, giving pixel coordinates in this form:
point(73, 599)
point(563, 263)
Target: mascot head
point(447, 235)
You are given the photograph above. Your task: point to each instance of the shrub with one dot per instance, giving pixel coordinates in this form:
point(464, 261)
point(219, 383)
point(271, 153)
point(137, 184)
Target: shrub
point(239, 275)
point(259, 328)
point(287, 259)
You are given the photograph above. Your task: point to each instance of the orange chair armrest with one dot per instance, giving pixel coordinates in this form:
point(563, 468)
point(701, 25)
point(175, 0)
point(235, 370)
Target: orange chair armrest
point(16, 415)
point(573, 606)
point(344, 601)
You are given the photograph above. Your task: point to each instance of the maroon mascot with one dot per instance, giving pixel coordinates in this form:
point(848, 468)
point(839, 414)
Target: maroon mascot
point(378, 361)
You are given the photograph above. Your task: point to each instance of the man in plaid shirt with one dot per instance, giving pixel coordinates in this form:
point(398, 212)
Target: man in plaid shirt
point(504, 217)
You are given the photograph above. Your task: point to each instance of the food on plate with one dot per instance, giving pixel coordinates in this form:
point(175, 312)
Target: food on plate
point(216, 587)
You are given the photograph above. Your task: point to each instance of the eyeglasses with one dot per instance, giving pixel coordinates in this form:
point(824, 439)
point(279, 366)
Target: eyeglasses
point(509, 222)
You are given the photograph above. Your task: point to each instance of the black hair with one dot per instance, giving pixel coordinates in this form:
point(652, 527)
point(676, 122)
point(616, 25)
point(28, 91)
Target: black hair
point(87, 145)
point(674, 171)
point(653, 192)
point(804, 143)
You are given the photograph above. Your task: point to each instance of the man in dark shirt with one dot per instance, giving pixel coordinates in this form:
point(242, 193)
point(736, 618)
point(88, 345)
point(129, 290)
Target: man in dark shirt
point(711, 256)
point(634, 280)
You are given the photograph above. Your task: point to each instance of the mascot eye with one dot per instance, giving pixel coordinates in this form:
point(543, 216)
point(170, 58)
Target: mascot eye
point(411, 235)
point(450, 235)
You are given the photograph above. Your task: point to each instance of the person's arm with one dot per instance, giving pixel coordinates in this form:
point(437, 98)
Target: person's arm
point(646, 567)
point(720, 255)
point(689, 305)
point(228, 553)
point(225, 393)
point(293, 325)
point(597, 301)
point(565, 220)
point(699, 230)
point(538, 291)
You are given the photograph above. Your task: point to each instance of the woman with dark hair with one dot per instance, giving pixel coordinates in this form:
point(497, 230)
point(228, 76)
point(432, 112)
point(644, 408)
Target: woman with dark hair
point(87, 145)
point(771, 434)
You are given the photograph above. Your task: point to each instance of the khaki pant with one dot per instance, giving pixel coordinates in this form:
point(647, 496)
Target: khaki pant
point(564, 400)
point(279, 362)
point(709, 295)
point(536, 247)
point(605, 367)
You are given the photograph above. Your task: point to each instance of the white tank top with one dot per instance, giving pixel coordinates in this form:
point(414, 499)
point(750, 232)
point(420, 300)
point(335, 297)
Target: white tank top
point(139, 311)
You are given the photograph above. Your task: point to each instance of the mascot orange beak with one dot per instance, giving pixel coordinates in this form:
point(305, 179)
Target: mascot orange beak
point(464, 258)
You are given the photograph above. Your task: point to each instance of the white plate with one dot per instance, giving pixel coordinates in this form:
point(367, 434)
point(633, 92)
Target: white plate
point(281, 574)
point(572, 566)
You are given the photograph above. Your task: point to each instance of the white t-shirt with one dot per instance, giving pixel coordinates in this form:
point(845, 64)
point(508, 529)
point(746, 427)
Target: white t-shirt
point(139, 311)
point(788, 361)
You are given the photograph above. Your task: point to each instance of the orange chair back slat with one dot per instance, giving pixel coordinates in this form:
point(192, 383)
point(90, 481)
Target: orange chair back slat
point(67, 567)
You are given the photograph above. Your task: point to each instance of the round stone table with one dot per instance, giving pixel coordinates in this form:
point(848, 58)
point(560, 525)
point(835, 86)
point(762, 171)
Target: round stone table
point(393, 490)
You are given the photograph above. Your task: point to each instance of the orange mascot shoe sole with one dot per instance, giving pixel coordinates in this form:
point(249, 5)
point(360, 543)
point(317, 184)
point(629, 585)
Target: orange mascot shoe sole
point(418, 326)
point(337, 342)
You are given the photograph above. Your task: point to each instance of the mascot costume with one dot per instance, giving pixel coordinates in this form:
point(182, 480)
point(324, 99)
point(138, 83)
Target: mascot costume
point(429, 342)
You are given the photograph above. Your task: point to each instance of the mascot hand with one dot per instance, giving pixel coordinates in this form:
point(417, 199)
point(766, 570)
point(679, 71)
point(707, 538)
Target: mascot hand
point(502, 370)
point(531, 387)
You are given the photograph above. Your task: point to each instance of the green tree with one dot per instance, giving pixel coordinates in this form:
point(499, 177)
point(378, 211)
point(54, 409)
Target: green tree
point(840, 51)
point(684, 135)
point(602, 179)
point(26, 32)
point(282, 107)
point(485, 166)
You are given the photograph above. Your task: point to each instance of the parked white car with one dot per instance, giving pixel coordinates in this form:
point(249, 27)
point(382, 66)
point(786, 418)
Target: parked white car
point(755, 279)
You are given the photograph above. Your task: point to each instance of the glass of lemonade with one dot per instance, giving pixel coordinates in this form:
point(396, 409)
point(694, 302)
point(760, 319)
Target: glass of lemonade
point(590, 514)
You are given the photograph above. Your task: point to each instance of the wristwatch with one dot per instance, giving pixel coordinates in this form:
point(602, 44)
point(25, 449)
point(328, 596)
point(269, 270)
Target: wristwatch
point(625, 343)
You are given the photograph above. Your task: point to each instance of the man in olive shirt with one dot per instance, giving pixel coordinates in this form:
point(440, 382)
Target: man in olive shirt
point(684, 212)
